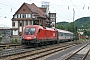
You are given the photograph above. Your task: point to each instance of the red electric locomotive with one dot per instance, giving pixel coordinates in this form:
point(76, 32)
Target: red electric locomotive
point(35, 34)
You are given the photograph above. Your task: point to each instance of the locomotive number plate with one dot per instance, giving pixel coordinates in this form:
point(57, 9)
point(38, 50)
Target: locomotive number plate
point(28, 37)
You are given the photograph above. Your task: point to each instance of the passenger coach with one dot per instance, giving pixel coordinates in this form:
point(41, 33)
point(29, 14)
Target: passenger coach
point(64, 35)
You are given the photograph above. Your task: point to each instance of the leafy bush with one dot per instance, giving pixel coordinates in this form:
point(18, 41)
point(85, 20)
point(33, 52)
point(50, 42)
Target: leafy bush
point(16, 40)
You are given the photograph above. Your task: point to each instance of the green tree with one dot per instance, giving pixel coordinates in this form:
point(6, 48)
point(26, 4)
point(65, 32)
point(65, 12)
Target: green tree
point(88, 33)
point(85, 32)
point(69, 27)
point(72, 28)
point(58, 26)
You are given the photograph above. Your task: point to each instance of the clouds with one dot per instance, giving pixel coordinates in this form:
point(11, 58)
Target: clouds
point(6, 22)
point(63, 9)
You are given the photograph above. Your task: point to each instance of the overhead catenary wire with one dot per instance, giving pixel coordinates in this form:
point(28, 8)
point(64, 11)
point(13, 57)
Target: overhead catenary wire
point(54, 4)
point(67, 6)
point(84, 5)
point(76, 7)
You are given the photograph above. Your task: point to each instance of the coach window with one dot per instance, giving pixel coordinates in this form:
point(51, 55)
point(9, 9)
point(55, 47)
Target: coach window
point(66, 34)
point(61, 34)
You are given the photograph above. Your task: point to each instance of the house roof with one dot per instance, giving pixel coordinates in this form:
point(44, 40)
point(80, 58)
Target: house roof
point(43, 9)
point(35, 9)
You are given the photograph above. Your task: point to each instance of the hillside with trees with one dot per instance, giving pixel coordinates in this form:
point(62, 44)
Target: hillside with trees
point(73, 26)
point(85, 22)
point(62, 25)
point(79, 23)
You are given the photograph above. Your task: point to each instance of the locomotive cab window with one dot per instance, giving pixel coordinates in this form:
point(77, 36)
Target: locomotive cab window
point(30, 31)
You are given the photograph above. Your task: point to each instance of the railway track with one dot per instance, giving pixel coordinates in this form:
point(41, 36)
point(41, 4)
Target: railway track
point(35, 53)
point(44, 54)
point(78, 54)
point(81, 54)
point(39, 53)
point(6, 46)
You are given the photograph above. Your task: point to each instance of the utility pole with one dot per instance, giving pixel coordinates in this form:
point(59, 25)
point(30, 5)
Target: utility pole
point(49, 19)
point(73, 16)
point(73, 21)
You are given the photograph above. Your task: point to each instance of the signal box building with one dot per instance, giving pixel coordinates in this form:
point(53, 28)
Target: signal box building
point(52, 19)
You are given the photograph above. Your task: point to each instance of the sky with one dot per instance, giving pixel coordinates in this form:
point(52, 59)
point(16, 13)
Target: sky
point(64, 9)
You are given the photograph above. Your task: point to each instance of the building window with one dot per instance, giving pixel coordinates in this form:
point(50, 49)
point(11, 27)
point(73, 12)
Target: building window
point(28, 15)
point(18, 15)
point(53, 15)
point(28, 22)
point(24, 15)
point(21, 15)
point(24, 9)
point(53, 20)
point(20, 23)
point(25, 23)
point(15, 16)
point(20, 33)
point(13, 23)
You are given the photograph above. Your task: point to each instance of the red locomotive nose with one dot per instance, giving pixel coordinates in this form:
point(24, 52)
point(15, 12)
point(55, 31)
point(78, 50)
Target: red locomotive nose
point(29, 37)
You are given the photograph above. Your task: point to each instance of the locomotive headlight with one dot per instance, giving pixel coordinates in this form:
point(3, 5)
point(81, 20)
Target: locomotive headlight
point(34, 37)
